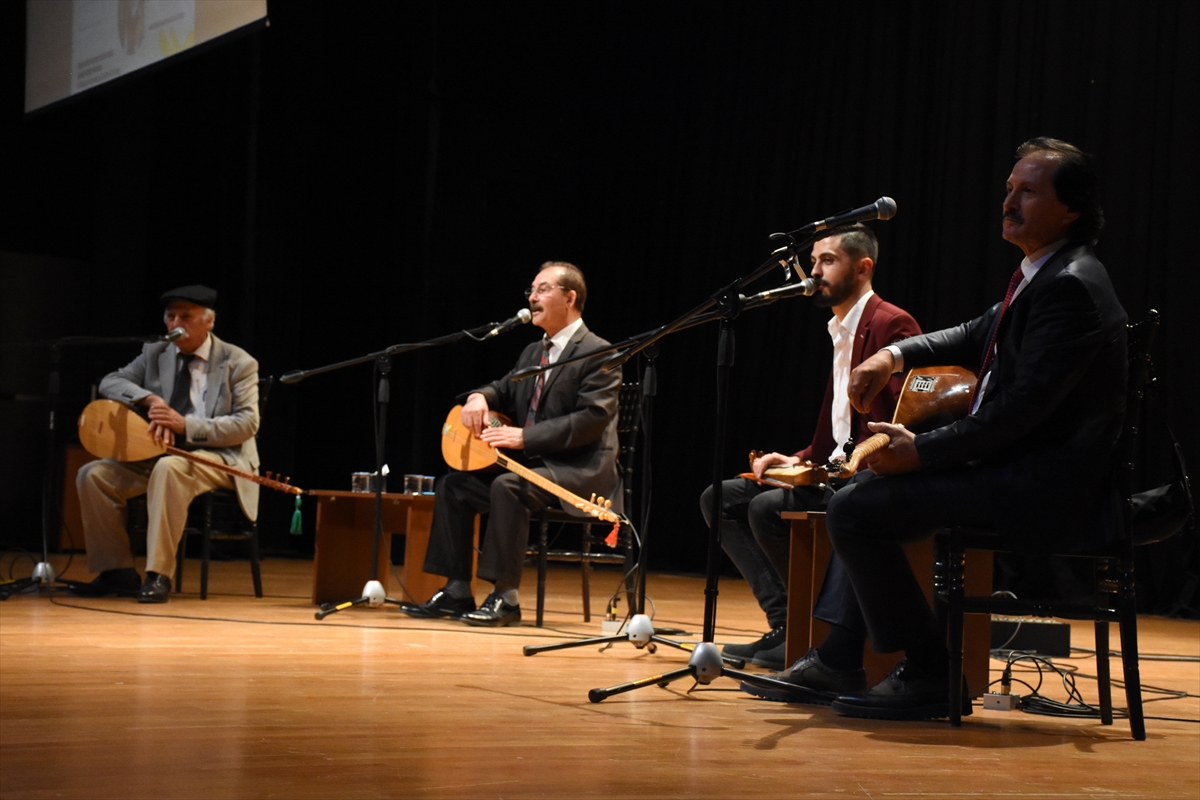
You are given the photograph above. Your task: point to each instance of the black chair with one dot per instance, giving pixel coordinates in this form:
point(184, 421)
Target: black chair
point(215, 516)
point(628, 425)
point(1115, 588)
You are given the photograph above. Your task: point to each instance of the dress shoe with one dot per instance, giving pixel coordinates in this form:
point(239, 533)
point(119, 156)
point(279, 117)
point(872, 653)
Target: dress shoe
point(904, 694)
point(156, 589)
point(767, 651)
point(440, 606)
point(813, 681)
point(494, 613)
point(124, 582)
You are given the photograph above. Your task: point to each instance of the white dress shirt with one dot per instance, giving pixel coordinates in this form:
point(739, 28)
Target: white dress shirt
point(199, 369)
point(842, 332)
point(558, 343)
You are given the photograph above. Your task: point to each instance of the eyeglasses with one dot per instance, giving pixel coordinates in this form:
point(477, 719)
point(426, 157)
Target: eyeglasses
point(543, 288)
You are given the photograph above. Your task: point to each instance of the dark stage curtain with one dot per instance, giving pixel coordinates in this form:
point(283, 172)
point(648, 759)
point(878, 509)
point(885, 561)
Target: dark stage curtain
point(360, 175)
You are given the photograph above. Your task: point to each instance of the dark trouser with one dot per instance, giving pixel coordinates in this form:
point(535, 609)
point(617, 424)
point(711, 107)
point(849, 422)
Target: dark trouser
point(759, 544)
point(508, 500)
point(871, 518)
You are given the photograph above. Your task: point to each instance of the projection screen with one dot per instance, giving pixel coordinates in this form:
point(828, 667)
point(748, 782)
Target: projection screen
point(75, 45)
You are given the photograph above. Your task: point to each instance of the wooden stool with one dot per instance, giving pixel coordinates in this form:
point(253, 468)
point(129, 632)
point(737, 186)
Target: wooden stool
point(810, 555)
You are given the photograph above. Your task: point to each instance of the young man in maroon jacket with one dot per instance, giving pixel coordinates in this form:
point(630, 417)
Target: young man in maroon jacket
point(753, 534)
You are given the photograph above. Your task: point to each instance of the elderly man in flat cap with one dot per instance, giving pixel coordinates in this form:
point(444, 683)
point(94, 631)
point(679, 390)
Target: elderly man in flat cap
point(200, 394)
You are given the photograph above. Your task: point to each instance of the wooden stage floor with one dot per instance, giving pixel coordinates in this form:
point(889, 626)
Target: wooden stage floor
point(242, 697)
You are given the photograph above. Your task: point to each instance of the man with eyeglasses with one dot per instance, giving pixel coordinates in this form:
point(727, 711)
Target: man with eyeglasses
point(564, 426)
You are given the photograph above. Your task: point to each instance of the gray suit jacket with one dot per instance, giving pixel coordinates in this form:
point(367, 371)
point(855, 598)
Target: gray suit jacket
point(231, 403)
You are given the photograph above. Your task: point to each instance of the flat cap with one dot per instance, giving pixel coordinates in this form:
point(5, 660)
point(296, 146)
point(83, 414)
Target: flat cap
point(200, 295)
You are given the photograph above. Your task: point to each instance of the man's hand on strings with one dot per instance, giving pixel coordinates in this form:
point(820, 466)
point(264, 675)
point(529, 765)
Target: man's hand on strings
point(474, 415)
point(768, 460)
point(505, 437)
point(868, 380)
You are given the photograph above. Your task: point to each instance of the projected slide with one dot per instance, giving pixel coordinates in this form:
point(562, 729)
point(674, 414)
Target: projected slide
point(110, 39)
point(75, 45)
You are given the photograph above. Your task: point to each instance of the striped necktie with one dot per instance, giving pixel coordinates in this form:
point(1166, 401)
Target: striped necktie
point(537, 387)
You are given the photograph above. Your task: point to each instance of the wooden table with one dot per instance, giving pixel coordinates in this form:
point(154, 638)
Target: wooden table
point(806, 571)
point(345, 532)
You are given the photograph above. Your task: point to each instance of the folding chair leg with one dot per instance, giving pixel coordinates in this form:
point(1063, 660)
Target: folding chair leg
point(1106, 594)
point(954, 620)
point(206, 547)
point(543, 546)
point(255, 570)
point(1103, 673)
point(585, 570)
point(179, 557)
point(1129, 654)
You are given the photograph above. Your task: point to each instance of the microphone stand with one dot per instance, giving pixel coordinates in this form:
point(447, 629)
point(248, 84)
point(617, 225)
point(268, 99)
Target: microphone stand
point(373, 592)
point(43, 572)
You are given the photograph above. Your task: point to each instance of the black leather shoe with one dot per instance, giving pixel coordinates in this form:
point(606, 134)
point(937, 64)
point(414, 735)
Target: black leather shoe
point(767, 651)
point(813, 681)
point(903, 694)
point(156, 589)
point(494, 613)
point(124, 582)
point(440, 606)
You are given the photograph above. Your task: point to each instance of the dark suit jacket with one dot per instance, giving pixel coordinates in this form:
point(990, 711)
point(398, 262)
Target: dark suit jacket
point(575, 430)
point(1052, 412)
point(881, 324)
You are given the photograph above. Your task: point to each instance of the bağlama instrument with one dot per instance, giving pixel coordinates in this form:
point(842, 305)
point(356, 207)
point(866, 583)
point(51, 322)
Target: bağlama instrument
point(463, 450)
point(108, 429)
point(931, 397)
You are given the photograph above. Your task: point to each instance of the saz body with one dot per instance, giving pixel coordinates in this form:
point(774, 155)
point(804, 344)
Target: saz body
point(931, 397)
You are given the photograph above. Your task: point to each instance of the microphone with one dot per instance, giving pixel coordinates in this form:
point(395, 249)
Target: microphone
point(883, 208)
point(521, 317)
point(175, 335)
point(806, 287)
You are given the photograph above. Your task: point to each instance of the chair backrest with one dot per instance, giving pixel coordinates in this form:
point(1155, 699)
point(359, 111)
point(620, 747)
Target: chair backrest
point(629, 421)
point(264, 394)
point(1141, 336)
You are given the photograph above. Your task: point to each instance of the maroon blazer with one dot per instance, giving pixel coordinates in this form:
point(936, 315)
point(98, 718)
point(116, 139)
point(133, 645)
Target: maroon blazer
point(880, 325)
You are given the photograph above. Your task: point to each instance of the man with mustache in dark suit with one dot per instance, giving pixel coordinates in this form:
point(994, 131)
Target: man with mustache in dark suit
point(564, 427)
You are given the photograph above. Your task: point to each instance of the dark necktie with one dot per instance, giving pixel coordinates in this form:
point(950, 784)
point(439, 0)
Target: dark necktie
point(989, 353)
point(181, 395)
point(537, 387)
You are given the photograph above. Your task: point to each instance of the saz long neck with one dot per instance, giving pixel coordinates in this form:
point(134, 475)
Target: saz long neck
point(598, 507)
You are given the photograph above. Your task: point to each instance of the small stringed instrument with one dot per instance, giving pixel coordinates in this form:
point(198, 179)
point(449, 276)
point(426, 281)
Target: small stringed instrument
point(108, 429)
point(931, 397)
point(462, 450)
